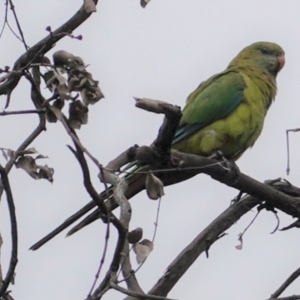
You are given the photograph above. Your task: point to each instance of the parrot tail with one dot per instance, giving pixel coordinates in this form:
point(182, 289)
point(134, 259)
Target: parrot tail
point(136, 183)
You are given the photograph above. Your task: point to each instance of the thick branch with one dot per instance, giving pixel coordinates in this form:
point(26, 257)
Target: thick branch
point(172, 118)
point(180, 166)
point(201, 244)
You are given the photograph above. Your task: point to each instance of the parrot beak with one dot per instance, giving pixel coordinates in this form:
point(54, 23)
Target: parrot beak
point(281, 61)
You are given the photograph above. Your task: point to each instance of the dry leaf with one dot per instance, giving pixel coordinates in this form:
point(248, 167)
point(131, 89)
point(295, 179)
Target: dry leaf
point(41, 156)
point(154, 187)
point(91, 95)
point(79, 61)
point(63, 91)
point(27, 163)
point(135, 235)
point(142, 250)
point(46, 173)
point(144, 3)
point(4, 154)
point(63, 58)
point(61, 79)
point(74, 83)
point(78, 114)
point(28, 151)
point(240, 246)
point(58, 114)
point(50, 80)
point(50, 116)
point(59, 104)
point(11, 154)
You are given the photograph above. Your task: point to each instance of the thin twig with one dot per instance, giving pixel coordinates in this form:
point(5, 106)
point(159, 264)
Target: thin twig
point(286, 283)
point(5, 18)
point(249, 225)
point(105, 241)
point(12, 7)
point(101, 261)
point(293, 297)
point(288, 167)
point(153, 239)
point(14, 232)
point(22, 112)
point(76, 140)
point(36, 98)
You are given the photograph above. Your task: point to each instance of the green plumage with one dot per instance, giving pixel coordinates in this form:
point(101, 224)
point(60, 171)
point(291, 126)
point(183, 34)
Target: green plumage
point(224, 113)
point(227, 111)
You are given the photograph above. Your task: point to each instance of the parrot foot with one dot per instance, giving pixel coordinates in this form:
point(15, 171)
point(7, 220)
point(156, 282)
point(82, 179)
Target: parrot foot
point(232, 168)
point(218, 155)
point(229, 165)
point(237, 198)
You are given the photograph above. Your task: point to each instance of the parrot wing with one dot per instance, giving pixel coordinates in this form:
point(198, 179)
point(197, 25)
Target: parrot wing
point(212, 100)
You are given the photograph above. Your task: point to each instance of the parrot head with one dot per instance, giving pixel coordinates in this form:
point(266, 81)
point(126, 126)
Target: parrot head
point(263, 55)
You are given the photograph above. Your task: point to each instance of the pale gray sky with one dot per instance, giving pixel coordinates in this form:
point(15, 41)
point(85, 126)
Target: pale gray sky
point(162, 52)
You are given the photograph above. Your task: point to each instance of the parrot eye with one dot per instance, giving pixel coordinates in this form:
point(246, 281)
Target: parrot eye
point(264, 50)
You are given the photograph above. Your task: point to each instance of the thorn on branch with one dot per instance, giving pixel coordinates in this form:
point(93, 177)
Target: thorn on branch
point(293, 225)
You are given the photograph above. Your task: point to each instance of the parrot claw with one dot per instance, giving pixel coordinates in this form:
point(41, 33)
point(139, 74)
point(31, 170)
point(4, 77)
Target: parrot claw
point(232, 168)
point(237, 198)
point(218, 155)
point(228, 165)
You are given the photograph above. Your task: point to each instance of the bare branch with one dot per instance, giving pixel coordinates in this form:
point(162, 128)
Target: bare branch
point(201, 244)
point(12, 7)
point(174, 169)
point(22, 112)
point(288, 166)
point(37, 100)
point(5, 18)
point(120, 256)
point(105, 243)
point(286, 283)
point(14, 232)
point(294, 297)
point(170, 124)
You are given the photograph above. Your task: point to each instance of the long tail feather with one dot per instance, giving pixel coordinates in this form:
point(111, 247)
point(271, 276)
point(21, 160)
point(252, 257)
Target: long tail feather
point(136, 183)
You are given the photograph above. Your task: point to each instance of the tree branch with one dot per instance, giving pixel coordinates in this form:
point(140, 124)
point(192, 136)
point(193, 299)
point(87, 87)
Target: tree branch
point(22, 112)
point(14, 232)
point(10, 81)
point(201, 244)
point(294, 297)
point(286, 283)
point(205, 239)
point(179, 167)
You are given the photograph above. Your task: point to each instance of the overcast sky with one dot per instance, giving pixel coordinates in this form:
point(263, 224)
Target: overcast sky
point(161, 52)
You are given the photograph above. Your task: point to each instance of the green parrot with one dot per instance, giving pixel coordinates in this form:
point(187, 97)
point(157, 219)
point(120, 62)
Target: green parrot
point(225, 113)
